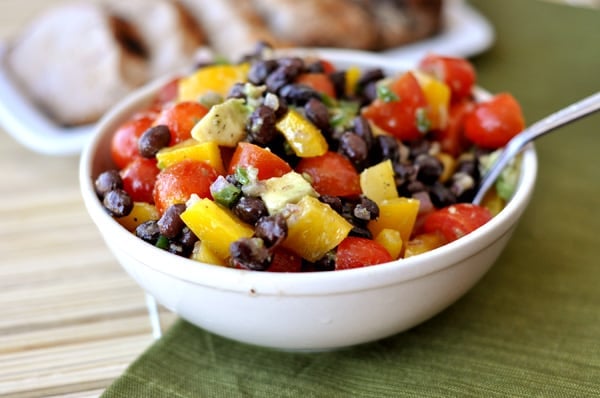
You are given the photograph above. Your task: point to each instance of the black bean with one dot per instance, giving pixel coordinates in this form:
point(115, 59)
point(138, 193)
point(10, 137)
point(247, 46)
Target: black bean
point(354, 148)
point(419, 147)
point(171, 224)
point(360, 232)
point(385, 147)
point(261, 125)
point(250, 253)
point(177, 248)
point(259, 70)
point(325, 263)
point(338, 78)
point(148, 231)
point(271, 229)
point(440, 195)
point(250, 209)
point(315, 67)
point(238, 90)
point(463, 186)
point(118, 203)
point(369, 93)
point(293, 65)
point(316, 111)
point(404, 173)
point(369, 76)
point(108, 181)
point(366, 209)
point(429, 169)
point(297, 94)
point(187, 238)
point(282, 109)
point(363, 129)
point(285, 73)
point(333, 201)
point(153, 140)
point(469, 166)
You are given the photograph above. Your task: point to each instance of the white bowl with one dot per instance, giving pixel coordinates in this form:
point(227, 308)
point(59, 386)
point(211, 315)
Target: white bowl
point(302, 311)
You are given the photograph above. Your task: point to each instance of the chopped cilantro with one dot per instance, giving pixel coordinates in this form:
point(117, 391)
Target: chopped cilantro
point(423, 122)
point(385, 94)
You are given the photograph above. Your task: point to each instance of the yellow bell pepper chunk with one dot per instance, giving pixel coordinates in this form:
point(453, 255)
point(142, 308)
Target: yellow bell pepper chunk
point(203, 254)
point(423, 243)
point(449, 164)
point(377, 182)
point(140, 213)
point(215, 78)
point(391, 240)
point(397, 213)
point(216, 226)
point(352, 75)
point(207, 152)
point(314, 228)
point(493, 202)
point(304, 138)
point(437, 94)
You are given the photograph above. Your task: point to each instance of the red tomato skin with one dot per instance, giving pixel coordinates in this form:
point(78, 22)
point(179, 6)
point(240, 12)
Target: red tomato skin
point(493, 123)
point(355, 252)
point(168, 92)
point(456, 221)
point(452, 138)
point(320, 82)
point(328, 67)
point(285, 261)
point(139, 177)
point(458, 73)
point(180, 118)
point(331, 174)
point(268, 164)
point(399, 117)
point(176, 183)
point(124, 143)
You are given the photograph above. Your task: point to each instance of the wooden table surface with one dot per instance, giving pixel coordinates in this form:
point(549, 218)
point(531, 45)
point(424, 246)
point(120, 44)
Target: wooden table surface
point(71, 320)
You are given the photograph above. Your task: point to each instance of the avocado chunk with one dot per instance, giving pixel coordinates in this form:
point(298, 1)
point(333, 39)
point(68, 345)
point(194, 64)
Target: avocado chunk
point(224, 124)
point(289, 188)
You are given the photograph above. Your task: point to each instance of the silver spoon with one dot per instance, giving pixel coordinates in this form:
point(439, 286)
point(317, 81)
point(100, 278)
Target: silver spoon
point(573, 112)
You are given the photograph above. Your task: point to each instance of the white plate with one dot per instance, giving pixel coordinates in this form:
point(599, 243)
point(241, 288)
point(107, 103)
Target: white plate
point(31, 127)
point(465, 33)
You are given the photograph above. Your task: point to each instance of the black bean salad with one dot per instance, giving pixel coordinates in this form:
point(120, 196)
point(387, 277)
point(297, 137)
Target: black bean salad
point(290, 164)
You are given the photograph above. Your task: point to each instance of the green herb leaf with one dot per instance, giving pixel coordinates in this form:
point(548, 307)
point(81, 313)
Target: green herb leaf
point(385, 94)
point(423, 122)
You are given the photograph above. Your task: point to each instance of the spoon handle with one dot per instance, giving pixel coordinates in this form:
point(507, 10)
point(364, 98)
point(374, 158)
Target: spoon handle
point(573, 112)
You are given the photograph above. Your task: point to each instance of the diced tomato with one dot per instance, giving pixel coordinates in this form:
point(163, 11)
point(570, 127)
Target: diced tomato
point(402, 117)
point(268, 164)
point(331, 174)
point(457, 73)
point(493, 123)
point(456, 220)
point(320, 82)
point(355, 252)
point(124, 144)
point(177, 183)
point(452, 138)
point(328, 67)
point(181, 118)
point(168, 92)
point(139, 177)
point(285, 261)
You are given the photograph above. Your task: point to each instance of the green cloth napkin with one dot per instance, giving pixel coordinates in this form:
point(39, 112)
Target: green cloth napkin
point(530, 328)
